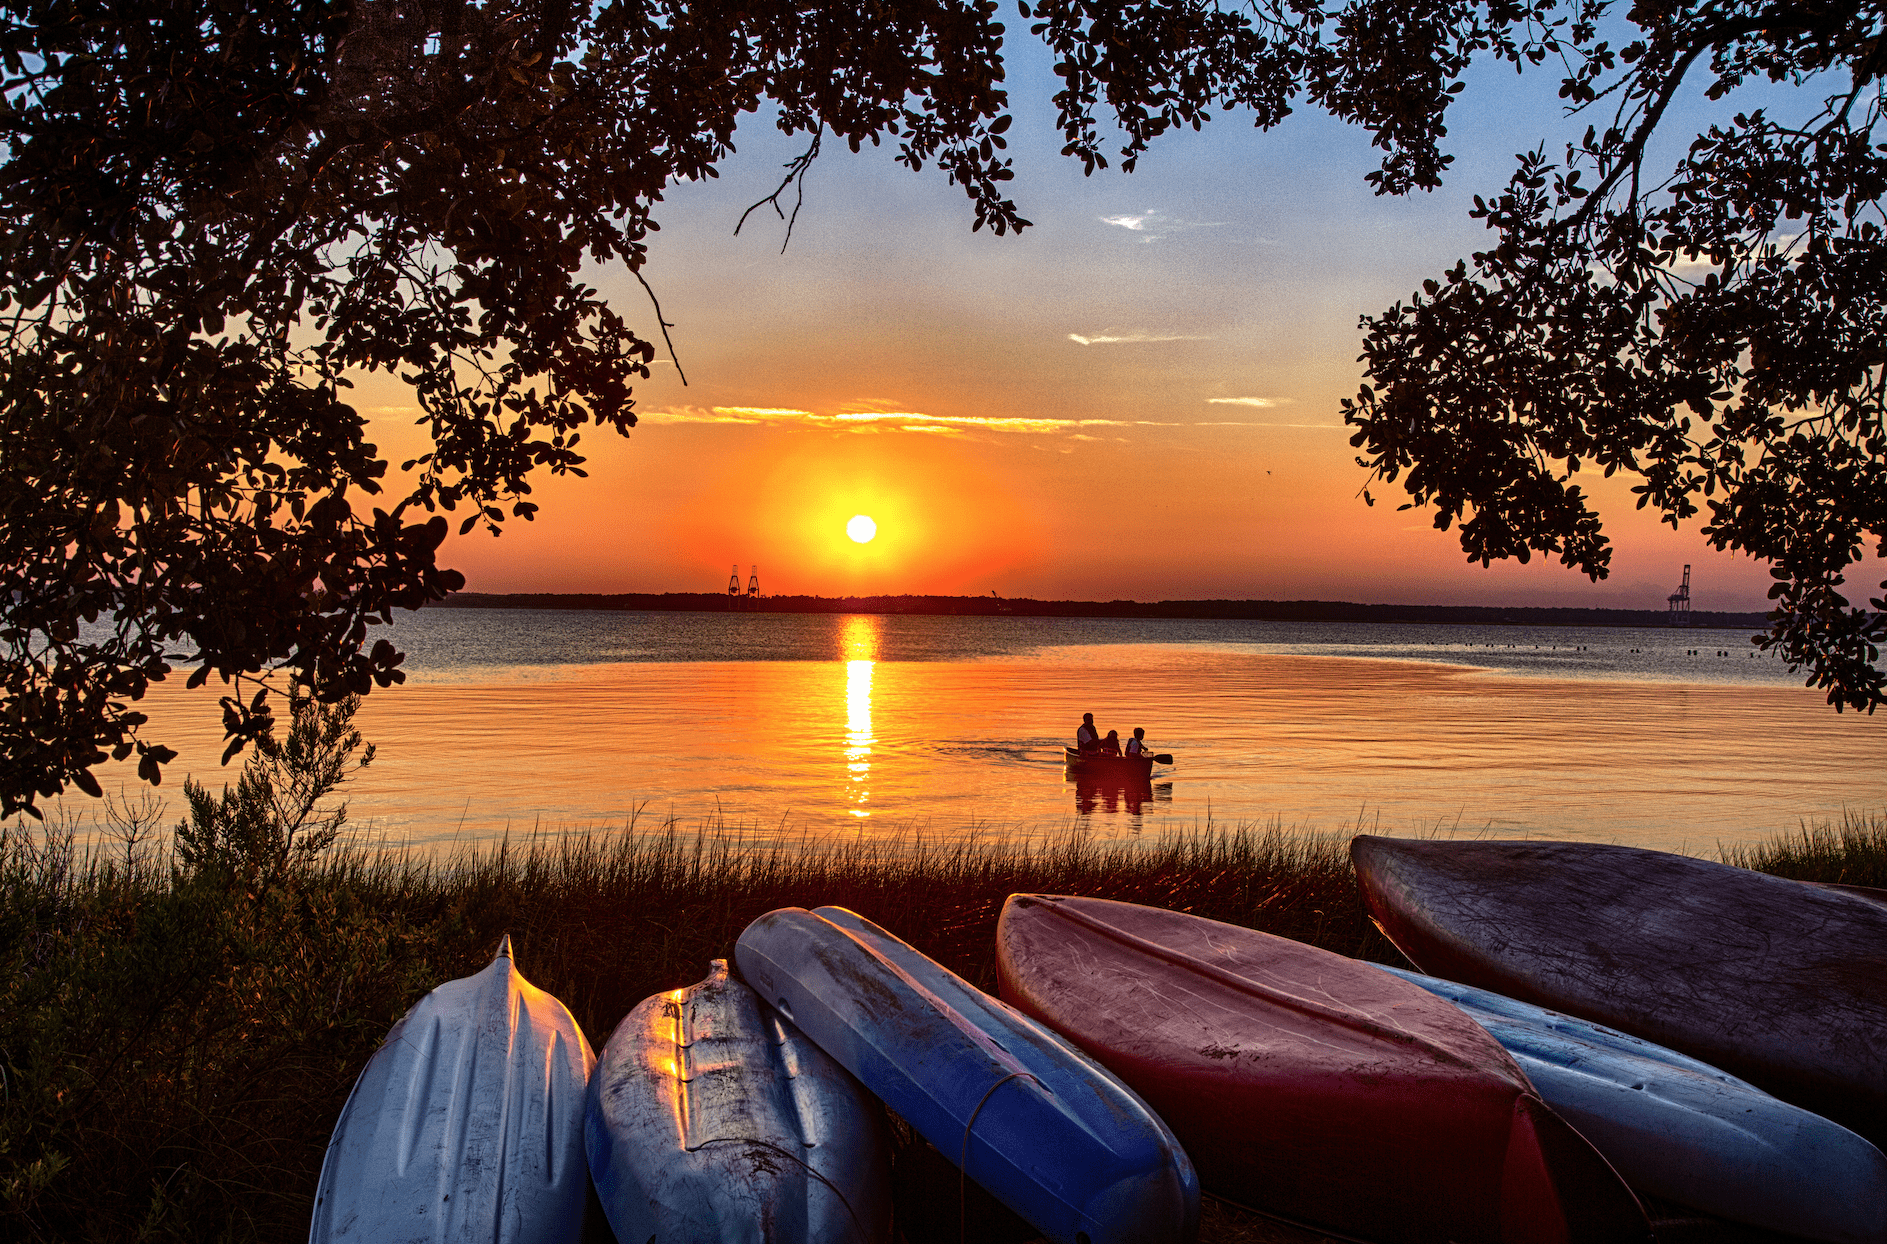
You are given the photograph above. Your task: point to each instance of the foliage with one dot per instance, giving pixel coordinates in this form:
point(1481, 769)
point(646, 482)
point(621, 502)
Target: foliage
point(1719, 330)
point(273, 823)
point(210, 217)
point(175, 1046)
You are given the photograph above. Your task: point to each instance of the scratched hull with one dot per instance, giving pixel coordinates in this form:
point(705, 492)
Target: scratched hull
point(1048, 1133)
point(1309, 1085)
point(467, 1124)
point(713, 1121)
point(1778, 983)
point(1685, 1131)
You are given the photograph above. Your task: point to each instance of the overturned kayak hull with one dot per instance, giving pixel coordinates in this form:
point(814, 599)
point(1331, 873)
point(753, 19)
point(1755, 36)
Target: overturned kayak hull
point(1309, 1085)
point(1048, 1133)
point(1682, 1130)
point(713, 1121)
point(1776, 982)
point(467, 1124)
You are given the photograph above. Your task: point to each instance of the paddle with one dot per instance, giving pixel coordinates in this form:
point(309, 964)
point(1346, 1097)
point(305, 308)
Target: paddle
point(1162, 758)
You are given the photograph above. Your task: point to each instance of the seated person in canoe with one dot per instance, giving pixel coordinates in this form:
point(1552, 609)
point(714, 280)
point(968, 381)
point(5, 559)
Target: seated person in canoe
point(1087, 738)
point(1137, 745)
point(1110, 746)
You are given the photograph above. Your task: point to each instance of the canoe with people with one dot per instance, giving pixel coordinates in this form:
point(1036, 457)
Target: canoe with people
point(1105, 757)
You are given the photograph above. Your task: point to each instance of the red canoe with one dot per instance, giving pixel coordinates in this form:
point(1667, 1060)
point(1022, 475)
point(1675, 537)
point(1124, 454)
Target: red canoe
point(1105, 767)
point(1780, 983)
point(1309, 1085)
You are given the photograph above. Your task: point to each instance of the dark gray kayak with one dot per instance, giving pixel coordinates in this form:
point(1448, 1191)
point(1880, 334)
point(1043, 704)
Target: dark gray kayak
point(1781, 983)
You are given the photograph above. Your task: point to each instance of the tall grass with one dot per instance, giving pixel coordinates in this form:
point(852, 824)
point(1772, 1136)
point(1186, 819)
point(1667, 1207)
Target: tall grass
point(605, 921)
point(1851, 851)
point(176, 1042)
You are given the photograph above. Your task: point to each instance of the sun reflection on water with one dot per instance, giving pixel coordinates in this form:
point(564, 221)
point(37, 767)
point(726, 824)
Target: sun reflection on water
point(858, 736)
point(859, 640)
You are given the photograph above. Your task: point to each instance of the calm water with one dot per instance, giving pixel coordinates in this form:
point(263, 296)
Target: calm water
point(890, 727)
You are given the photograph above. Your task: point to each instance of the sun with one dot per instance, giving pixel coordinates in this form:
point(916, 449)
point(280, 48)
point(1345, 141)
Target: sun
point(861, 528)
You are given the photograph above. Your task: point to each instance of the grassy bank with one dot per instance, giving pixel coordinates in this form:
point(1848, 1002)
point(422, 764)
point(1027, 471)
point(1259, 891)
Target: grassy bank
point(177, 1039)
point(1851, 851)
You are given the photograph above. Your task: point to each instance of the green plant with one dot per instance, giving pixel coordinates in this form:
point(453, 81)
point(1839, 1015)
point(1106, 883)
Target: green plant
point(274, 823)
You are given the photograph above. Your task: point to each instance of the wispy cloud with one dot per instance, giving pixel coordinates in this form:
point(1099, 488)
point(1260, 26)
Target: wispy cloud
point(872, 420)
point(1246, 423)
point(1130, 338)
point(914, 421)
point(1153, 224)
point(1261, 403)
point(722, 414)
point(762, 412)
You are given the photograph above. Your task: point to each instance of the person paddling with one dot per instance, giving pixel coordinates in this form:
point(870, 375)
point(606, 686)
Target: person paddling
point(1087, 738)
point(1137, 745)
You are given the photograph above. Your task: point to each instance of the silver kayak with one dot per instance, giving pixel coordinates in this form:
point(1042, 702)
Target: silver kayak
point(466, 1125)
point(712, 1120)
point(1683, 1130)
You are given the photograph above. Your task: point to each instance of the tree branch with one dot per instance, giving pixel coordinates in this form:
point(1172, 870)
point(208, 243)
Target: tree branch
point(795, 172)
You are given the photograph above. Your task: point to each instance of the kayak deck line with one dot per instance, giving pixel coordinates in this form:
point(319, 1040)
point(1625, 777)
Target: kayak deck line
point(851, 1211)
point(1310, 1007)
point(963, 1160)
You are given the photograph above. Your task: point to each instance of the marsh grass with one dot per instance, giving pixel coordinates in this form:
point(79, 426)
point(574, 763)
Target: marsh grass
point(605, 921)
point(176, 1043)
point(1851, 851)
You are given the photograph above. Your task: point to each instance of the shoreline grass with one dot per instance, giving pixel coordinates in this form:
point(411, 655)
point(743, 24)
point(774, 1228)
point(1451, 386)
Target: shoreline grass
point(177, 1043)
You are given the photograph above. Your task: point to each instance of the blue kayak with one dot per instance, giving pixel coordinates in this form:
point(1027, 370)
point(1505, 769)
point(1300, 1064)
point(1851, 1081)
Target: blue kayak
point(1683, 1130)
point(1044, 1129)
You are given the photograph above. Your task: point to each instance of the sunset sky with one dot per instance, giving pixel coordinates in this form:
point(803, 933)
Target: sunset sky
point(1136, 398)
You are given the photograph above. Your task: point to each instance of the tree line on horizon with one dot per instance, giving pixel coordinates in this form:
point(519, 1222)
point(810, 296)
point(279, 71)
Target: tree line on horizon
point(1023, 606)
point(214, 215)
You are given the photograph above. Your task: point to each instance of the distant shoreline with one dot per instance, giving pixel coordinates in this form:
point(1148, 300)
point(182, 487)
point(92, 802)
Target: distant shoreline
point(989, 606)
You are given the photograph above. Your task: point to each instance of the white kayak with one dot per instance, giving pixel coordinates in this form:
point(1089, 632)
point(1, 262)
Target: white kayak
point(467, 1124)
point(1686, 1131)
point(712, 1120)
